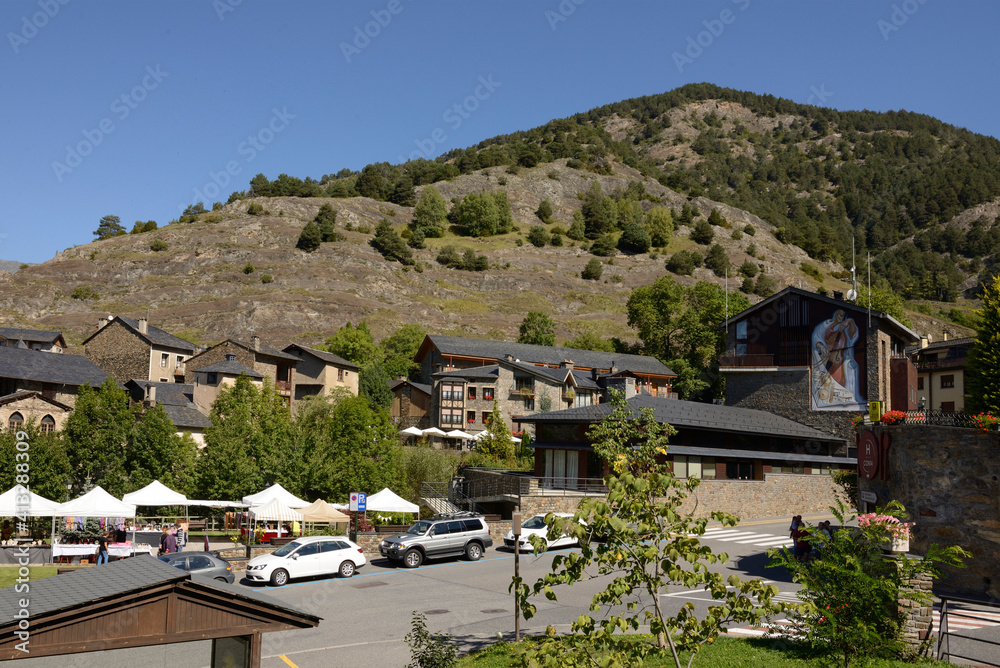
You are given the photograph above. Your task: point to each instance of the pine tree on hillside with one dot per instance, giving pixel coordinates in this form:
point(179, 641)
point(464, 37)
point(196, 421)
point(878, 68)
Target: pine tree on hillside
point(311, 237)
point(981, 378)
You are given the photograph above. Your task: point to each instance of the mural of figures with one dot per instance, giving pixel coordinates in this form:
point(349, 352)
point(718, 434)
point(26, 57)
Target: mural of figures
point(836, 376)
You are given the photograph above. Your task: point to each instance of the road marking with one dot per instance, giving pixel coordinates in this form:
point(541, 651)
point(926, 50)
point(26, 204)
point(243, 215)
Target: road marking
point(742, 536)
point(323, 649)
point(970, 620)
point(285, 659)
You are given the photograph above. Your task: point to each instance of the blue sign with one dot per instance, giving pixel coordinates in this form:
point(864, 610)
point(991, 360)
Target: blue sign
point(362, 502)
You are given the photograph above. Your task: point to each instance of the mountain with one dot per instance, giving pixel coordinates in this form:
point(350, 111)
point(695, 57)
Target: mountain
point(9, 265)
point(791, 186)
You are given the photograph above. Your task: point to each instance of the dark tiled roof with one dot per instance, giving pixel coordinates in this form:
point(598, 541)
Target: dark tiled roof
point(426, 389)
point(456, 345)
point(489, 372)
point(154, 335)
point(552, 375)
point(323, 355)
point(694, 415)
point(944, 345)
point(168, 394)
point(231, 367)
point(266, 350)
point(584, 381)
point(112, 581)
point(29, 335)
point(187, 416)
point(45, 367)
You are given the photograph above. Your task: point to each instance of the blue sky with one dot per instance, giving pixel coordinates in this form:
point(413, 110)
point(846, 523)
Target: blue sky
point(133, 108)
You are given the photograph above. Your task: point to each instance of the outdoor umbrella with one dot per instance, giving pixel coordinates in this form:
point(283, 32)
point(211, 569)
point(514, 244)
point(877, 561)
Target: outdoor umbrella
point(412, 431)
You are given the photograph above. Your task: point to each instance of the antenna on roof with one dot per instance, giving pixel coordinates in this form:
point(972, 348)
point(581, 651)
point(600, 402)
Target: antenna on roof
point(727, 304)
point(869, 290)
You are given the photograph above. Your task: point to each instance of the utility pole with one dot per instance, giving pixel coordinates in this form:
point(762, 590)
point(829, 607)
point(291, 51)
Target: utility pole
point(516, 529)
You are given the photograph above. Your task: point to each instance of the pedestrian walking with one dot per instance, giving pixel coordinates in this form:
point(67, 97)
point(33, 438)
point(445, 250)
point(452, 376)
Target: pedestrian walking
point(181, 537)
point(102, 549)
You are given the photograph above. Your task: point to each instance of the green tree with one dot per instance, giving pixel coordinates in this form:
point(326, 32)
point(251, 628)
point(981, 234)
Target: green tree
point(496, 443)
point(354, 344)
point(482, 214)
point(347, 446)
point(110, 226)
point(544, 211)
point(590, 340)
point(252, 443)
point(717, 260)
point(634, 239)
point(538, 236)
point(98, 433)
point(373, 385)
point(600, 215)
point(885, 301)
point(649, 545)
point(660, 225)
point(158, 453)
point(372, 183)
point(50, 466)
point(537, 329)
point(702, 233)
point(390, 245)
point(431, 213)
point(981, 377)
point(748, 269)
point(603, 246)
point(593, 270)
point(326, 218)
point(310, 238)
point(577, 231)
point(765, 286)
point(398, 350)
point(715, 218)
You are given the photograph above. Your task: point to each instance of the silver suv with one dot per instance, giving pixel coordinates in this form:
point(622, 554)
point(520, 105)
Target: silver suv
point(442, 536)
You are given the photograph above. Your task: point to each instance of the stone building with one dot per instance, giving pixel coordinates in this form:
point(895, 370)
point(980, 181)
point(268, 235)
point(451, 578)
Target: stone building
point(817, 360)
point(32, 339)
point(446, 353)
point(275, 365)
point(177, 400)
point(941, 373)
point(411, 404)
point(127, 348)
point(42, 387)
point(211, 379)
point(319, 373)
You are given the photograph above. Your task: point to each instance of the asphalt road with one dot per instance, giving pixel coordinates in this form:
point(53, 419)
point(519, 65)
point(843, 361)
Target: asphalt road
point(367, 616)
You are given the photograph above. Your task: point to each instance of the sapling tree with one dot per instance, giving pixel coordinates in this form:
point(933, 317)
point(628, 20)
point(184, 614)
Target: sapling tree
point(648, 544)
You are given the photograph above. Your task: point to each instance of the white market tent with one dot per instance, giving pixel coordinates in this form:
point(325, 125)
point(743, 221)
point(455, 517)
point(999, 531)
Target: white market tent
point(433, 431)
point(483, 433)
point(156, 494)
point(322, 512)
point(95, 503)
point(217, 504)
point(275, 511)
point(278, 492)
point(388, 501)
point(31, 504)
point(458, 433)
point(412, 431)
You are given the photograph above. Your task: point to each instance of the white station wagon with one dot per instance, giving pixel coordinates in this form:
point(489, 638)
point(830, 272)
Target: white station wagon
point(307, 557)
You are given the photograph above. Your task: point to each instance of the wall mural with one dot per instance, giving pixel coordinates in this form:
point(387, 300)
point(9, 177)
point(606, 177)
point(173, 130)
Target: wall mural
point(836, 373)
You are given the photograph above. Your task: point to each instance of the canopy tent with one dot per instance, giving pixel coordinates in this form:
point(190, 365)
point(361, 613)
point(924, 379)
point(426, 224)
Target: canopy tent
point(322, 512)
point(275, 511)
point(458, 433)
point(217, 504)
point(95, 503)
point(412, 431)
point(18, 500)
point(387, 501)
point(275, 492)
point(433, 431)
point(155, 494)
point(483, 433)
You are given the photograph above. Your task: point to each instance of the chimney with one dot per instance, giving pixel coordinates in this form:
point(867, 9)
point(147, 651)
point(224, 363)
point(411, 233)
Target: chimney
point(143, 326)
point(946, 336)
point(231, 357)
point(151, 395)
point(924, 341)
point(509, 357)
point(101, 323)
point(566, 364)
point(255, 343)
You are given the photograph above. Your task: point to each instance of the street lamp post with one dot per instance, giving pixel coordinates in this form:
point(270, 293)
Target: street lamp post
point(516, 529)
point(69, 488)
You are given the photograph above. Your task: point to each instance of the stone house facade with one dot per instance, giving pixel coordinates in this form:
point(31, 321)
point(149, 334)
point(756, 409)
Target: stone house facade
point(131, 349)
point(275, 365)
point(941, 373)
point(411, 404)
point(212, 379)
point(22, 408)
point(54, 377)
point(320, 373)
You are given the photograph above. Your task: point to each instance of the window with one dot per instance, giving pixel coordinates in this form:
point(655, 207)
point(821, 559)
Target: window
point(308, 549)
point(948, 381)
point(737, 470)
point(948, 406)
point(180, 360)
point(471, 417)
point(212, 378)
point(529, 403)
point(331, 546)
point(488, 393)
point(472, 392)
point(451, 392)
point(164, 380)
point(197, 563)
point(48, 425)
point(582, 399)
point(340, 374)
point(486, 417)
point(15, 422)
point(164, 358)
point(920, 383)
point(694, 467)
point(451, 416)
point(524, 384)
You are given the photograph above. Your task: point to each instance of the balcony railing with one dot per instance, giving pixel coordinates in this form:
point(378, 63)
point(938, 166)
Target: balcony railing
point(743, 361)
point(283, 386)
point(945, 419)
point(946, 363)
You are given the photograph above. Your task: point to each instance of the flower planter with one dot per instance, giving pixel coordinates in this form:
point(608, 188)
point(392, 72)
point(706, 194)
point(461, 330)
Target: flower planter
point(899, 545)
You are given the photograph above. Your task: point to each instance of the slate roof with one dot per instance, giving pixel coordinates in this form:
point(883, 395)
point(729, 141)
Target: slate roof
point(266, 350)
point(328, 357)
point(943, 345)
point(524, 352)
point(186, 416)
point(426, 389)
point(112, 581)
point(583, 380)
point(170, 394)
point(30, 335)
point(45, 367)
point(230, 367)
point(694, 415)
point(27, 394)
point(488, 372)
point(154, 335)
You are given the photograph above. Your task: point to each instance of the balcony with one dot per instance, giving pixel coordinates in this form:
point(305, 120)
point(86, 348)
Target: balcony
point(284, 387)
point(946, 363)
point(746, 361)
point(523, 392)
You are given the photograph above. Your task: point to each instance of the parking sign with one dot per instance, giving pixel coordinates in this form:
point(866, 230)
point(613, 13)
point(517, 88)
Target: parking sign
point(359, 502)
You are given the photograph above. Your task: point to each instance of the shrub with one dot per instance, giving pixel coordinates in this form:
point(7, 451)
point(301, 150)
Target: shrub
point(158, 245)
point(553, 174)
point(266, 278)
point(715, 218)
point(747, 286)
point(681, 263)
point(593, 270)
point(702, 232)
point(717, 260)
point(577, 231)
point(84, 292)
point(417, 239)
point(248, 269)
point(557, 240)
point(310, 238)
point(752, 250)
point(544, 211)
point(634, 239)
point(429, 650)
point(390, 245)
point(449, 257)
point(749, 229)
point(604, 246)
point(255, 209)
point(737, 235)
point(811, 271)
point(748, 269)
point(766, 286)
point(538, 236)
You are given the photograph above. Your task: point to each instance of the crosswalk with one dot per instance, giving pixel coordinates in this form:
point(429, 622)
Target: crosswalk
point(745, 537)
point(958, 620)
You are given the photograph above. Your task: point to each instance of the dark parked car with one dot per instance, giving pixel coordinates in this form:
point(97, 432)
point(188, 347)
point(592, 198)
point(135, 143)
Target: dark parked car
point(201, 563)
point(442, 536)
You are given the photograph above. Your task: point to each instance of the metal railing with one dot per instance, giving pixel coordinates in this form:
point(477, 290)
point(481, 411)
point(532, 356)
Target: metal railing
point(948, 610)
point(731, 361)
point(940, 419)
point(438, 496)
